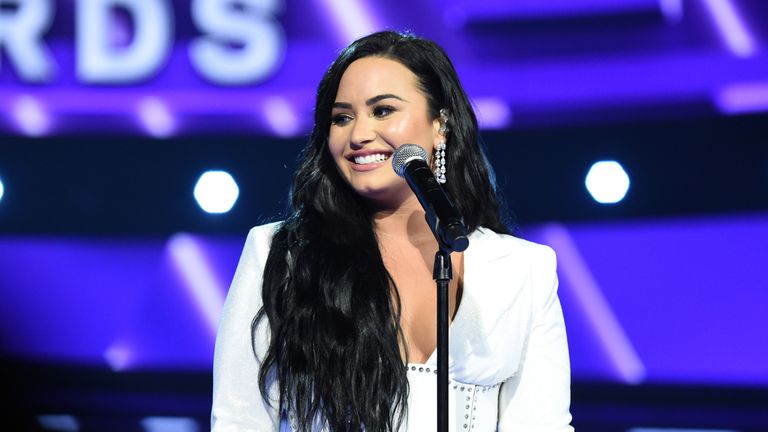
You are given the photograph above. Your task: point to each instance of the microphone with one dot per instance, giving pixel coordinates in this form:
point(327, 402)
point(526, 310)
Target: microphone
point(410, 162)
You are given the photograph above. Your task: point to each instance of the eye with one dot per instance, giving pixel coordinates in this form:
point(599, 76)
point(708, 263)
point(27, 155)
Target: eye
point(340, 119)
point(383, 111)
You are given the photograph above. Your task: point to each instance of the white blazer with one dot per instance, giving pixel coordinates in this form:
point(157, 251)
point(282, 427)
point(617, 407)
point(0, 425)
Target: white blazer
point(508, 355)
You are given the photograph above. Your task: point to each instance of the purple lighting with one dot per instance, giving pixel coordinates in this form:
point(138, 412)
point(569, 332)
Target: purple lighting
point(351, 19)
point(156, 118)
point(30, 116)
point(199, 280)
point(658, 300)
point(743, 98)
point(539, 90)
point(281, 117)
point(454, 17)
point(492, 113)
point(648, 429)
point(732, 29)
point(526, 9)
point(672, 10)
point(118, 357)
point(606, 326)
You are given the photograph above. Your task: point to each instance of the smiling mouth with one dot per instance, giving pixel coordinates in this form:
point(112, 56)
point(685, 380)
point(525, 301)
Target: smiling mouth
point(370, 159)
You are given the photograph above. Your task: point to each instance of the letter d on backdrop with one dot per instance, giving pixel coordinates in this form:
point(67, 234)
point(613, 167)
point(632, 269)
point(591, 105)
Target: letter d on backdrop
point(99, 61)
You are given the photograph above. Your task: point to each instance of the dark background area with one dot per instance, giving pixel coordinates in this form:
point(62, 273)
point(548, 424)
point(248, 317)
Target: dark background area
point(92, 185)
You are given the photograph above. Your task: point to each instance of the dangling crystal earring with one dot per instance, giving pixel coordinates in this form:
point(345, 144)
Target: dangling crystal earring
point(440, 149)
point(440, 162)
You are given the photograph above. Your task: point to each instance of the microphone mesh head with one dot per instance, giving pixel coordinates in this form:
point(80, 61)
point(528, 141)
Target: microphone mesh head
point(406, 153)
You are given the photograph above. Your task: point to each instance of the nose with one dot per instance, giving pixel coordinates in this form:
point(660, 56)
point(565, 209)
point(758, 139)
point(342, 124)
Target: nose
point(363, 132)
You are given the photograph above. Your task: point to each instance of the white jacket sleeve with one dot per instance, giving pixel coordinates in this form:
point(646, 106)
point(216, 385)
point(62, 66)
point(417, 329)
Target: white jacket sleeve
point(238, 404)
point(537, 398)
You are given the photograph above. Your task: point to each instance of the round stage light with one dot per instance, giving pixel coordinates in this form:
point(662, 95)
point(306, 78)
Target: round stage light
point(216, 192)
point(2, 189)
point(607, 182)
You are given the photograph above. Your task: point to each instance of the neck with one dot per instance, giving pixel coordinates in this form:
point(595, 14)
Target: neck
point(405, 222)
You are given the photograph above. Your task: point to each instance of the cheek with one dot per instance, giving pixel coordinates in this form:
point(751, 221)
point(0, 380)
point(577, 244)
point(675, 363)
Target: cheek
point(335, 148)
point(409, 127)
point(411, 130)
point(401, 126)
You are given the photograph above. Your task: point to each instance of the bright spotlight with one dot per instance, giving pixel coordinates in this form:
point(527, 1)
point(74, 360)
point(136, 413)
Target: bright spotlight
point(156, 117)
point(281, 117)
point(216, 192)
point(31, 116)
point(607, 182)
point(2, 189)
point(118, 356)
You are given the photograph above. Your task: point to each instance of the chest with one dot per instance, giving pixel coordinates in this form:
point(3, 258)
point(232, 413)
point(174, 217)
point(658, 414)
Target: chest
point(411, 271)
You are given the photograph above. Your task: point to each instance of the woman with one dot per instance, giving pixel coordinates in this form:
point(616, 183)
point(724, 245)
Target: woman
point(330, 323)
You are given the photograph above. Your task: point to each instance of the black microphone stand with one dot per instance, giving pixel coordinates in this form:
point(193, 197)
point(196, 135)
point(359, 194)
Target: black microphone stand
point(442, 274)
point(452, 237)
point(410, 162)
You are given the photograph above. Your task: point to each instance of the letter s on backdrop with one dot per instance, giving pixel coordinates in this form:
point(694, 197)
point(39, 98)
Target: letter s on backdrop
point(252, 27)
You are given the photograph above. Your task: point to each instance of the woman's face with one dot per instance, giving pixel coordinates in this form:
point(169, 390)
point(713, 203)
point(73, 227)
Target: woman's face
point(378, 108)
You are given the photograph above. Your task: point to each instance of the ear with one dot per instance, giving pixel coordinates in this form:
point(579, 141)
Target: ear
point(440, 125)
point(438, 134)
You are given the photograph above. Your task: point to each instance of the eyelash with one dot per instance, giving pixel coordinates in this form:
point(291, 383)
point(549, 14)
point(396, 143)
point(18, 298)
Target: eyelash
point(378, 109)
point(341, 119)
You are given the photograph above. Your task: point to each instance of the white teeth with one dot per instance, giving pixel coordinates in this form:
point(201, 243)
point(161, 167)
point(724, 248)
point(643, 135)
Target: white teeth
point(374, 158)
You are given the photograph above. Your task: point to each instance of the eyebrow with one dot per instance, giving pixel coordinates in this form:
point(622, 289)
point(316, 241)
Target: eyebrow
point(369, 102)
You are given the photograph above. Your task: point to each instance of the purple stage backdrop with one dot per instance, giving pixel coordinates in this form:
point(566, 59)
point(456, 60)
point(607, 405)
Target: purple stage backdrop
point(162, 68)
point(652, 301)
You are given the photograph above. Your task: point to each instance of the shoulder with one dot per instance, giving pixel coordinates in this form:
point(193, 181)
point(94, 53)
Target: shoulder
point(262, 234)
point(253, 258)
point(492, 246)
point(528, 269)
point(244, 295)
point(508, 281)
point(525, 268)
point(258, 242)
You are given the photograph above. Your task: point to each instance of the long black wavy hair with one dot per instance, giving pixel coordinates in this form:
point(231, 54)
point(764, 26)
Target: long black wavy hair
point(333, 309)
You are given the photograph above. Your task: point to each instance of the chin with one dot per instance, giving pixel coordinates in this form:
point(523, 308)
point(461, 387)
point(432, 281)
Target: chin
point(383, 195)
point(372, 191)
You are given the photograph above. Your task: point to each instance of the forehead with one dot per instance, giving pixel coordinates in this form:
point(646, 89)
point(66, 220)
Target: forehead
point(372, 76)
